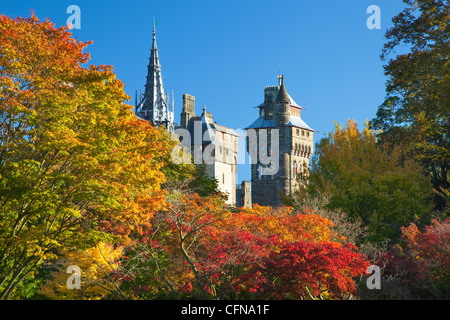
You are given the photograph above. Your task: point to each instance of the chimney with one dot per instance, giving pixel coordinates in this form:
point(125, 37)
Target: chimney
point(188, 110)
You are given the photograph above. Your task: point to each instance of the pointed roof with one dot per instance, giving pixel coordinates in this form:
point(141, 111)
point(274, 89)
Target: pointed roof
point(154, 88)
point(154, 96)
point(209, 130)
point(155, 106)
point(278, 88)
point(282, 96)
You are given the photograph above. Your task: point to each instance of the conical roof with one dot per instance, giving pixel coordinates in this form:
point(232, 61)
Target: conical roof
point(282, 96)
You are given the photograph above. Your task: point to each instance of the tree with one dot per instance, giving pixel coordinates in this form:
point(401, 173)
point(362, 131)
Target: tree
point(164, 261)
point(199, 249)
point(429, 250)
point(305, 270)
point(262, 253)
point(76, 165)
point(95, 265)
point(418, 267)
point(415, 112)
point(190, 177)
point(384, 190)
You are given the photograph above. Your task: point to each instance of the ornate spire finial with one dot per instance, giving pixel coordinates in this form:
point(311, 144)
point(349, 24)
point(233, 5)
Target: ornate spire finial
point(280, 79)
point(154, 47)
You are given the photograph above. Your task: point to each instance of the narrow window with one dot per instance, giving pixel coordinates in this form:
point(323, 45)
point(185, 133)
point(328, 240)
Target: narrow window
point(294, 168)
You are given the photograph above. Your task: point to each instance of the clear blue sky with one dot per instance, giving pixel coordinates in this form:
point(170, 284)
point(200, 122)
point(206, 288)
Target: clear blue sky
point(225, 52)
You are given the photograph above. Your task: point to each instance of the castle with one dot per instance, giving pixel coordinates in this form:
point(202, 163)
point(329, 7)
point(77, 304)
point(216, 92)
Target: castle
point(279, 142)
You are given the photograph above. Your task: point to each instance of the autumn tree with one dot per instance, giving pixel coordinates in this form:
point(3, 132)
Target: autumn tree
point(266, 253)
point(429, 250)
point(199, 249)
point(415, 112)
point(96, 264)
point(76, 165)
point(322, 270)
point(164, 260)
point(418, 267)
point(382, 189)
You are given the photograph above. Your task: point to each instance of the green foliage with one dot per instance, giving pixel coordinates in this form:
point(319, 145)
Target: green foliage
point(202, 184)
point(384, 190)
point(190, 177)
point(415, 112)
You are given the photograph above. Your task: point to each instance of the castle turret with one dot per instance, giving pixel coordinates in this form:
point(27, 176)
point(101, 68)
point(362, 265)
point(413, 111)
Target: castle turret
point(282, 106)
point(282, 117)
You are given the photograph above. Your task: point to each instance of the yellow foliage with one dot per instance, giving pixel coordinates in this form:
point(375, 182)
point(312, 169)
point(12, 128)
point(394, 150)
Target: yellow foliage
point(94, 263)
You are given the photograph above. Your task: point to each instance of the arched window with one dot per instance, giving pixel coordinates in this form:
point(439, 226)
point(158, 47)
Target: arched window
point(294, 168)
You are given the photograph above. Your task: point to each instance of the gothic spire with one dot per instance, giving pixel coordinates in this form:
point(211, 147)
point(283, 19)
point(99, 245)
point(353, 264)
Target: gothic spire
point(155, 106)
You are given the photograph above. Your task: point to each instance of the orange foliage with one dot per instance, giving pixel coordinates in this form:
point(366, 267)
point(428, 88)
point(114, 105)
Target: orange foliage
point(266, 221)
point(76, 164)
point(204, 251)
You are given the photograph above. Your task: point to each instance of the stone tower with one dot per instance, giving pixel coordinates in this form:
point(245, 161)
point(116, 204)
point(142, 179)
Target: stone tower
point(279, 159)
point(154, 106)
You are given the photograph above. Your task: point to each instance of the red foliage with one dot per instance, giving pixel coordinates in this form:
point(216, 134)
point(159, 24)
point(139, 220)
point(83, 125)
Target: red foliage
point(430, 250)
point(253, 254)
point(423, 264)
point(307, 269)
point(268, 266)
